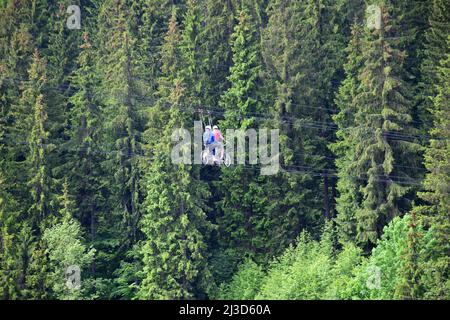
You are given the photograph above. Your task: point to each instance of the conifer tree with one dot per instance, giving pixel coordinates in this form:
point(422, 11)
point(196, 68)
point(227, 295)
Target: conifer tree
point(17, 45)
point(20, 100)
point(65, 248)
point(121, 89)
point(215, 34)
point(435, 49)
point(33, 114)
point(148, 23)
point(62, 50)
point(347, 202)
point(175, 260)
point(86, 152)
point(8, 249)
point(384, 151)
point(411, 24)
point(303, 39)
point(409, 287)
point(99, 108)
point(297, 43)
point(435, 214)
point(244, 221)
point(192, 53)
point(29, 117)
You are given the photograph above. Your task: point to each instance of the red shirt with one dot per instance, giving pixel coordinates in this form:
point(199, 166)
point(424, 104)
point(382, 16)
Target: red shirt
point(217, 135)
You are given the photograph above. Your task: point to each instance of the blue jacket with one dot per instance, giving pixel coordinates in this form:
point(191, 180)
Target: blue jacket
point(208, 137)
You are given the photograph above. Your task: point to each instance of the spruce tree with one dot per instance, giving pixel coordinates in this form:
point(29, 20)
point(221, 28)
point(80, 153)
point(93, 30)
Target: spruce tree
point(99, 108)
point(64, 246)
point(409, 287)
point(302, 39)
point(148, 23)
point(347, 201)
point(62, 51)
point(219, 20)
point(435, 213)
point(39, 213)
point(21, 98)
point(243, 220)
point(85, 150)
point(175, 225)
point(32, 116)
point(9, 228)
point(121, 89)
point(384, 151)
point(16, 51)
point(435, 49)
point(192, 53)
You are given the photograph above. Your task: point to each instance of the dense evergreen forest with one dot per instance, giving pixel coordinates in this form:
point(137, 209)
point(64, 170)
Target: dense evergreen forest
point(359, 210)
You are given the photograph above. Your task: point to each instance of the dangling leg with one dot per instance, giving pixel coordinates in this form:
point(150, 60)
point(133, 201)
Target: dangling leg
point(222, 151)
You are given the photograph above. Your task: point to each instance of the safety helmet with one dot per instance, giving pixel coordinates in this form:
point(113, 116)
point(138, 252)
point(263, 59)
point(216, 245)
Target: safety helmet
point(208, 127)
point(215, 127)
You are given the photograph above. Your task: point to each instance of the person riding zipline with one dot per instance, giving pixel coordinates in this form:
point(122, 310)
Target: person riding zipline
point(208, 138)
point(213, 142)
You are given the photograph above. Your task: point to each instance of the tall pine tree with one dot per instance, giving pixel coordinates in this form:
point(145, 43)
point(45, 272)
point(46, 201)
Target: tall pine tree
point(175, 221)
point(383, 148)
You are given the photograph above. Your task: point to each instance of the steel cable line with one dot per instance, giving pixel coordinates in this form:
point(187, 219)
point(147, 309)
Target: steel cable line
point(331, 127)
point(306, 124)
point(291, 120)
point(289, 169)
point(327, 126)
point(68, 86)
point(112, 145)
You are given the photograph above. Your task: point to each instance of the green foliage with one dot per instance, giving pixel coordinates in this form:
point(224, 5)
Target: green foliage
point(302, 272)
point(216, 31)
point(175, 225)
point(40, 181)
point(388, 257)
point(435, 213)
point(313, 270)
point(64, 247)
point(244, 222)
point(376, 162)
point(175, 250)
point(347, 274)
point(309, 269)
point(245, 284)
point(363, 116)
point(129, 275)
point(122, 73)
point(433, 51)
point(347, 202)
point(8, 249)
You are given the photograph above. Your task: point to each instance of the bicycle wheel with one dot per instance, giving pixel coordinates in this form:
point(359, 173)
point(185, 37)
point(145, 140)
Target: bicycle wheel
point(205, 157)
point(227, 160)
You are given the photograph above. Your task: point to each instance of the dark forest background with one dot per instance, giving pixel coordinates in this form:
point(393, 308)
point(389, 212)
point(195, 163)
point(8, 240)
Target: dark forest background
point(360, 209)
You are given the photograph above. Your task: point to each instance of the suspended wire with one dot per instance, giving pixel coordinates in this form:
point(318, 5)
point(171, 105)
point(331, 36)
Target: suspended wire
point(68, 86)
point(291, 169)
point(327, 126)
point(324, 126)
point(291, 120)
point(112, 145)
